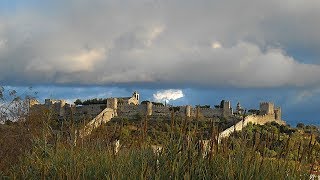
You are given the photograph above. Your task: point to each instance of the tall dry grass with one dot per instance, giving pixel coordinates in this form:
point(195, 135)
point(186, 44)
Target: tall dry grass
point(183, 156)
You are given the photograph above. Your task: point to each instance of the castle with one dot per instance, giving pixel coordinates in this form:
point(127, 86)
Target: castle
point(128, 107)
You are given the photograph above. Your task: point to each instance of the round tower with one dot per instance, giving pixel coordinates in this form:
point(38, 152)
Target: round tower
point(188, 111)
point(62, 110)
point(149, 108)
point(112, 103)
point(277, 113)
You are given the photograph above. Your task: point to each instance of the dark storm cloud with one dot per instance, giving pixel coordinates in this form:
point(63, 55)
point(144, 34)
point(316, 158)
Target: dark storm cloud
point(203, 43)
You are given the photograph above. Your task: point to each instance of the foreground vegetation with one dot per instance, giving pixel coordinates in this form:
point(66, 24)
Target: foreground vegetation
point(258, 152)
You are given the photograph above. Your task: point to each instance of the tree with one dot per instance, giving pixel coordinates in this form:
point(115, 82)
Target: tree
point(204, 106)
point(78, 102)
point(253, 111)
point(153, 103)
point(144, 102)
point(14, 106)
point(94, 101)
point(300, 125)
point(158, 103)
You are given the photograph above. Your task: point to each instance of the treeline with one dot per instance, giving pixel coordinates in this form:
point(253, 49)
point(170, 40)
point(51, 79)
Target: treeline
point(204, 106)
point(153, 103)
point(91, 101)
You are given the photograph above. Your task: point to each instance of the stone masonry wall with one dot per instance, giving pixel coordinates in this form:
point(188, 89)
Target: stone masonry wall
point(106, 115)
point(210, 112)
point(126, 110)
point(158, 110)
point(255, 119)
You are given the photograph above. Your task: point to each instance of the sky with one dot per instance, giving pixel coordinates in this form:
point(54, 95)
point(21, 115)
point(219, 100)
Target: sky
point(183, 51)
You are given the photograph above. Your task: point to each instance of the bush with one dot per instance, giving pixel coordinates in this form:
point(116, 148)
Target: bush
point(300, 125)
point(181, 157)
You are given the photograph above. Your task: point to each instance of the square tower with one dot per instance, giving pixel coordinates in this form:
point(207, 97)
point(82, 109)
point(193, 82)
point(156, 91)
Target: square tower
point(266, 108)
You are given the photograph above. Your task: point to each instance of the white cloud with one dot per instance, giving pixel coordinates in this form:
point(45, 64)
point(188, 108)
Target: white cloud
point(83, 60)
point(168, 95)
point(154, 33)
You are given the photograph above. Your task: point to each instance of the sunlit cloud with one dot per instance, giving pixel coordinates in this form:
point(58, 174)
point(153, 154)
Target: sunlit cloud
point(168, 95)
point(216, 45)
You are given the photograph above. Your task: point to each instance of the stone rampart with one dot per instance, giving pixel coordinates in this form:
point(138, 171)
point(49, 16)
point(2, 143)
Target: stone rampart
point(101, 118)
point(90, 110)
point(254, 119)
point(127, 110)
point(160, 110)
point(210, 112)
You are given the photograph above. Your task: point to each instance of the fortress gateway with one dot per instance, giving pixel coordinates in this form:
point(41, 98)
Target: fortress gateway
point(128, 107)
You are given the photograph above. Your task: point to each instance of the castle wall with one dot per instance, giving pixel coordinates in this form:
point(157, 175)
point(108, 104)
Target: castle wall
point(104, 116)
point(209, 112)
point(57, 107)
point(131, 110)
point(184, 111)
point(225, 111)
point(159, 110)
point(254, 119)
point(88, 111)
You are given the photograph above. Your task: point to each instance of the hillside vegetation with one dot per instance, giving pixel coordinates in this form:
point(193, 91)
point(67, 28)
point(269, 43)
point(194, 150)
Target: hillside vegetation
point(33, 150)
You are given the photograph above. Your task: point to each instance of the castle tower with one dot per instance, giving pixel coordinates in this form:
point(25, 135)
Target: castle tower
point(62, 111)
point(149, 108)
point(226, 108)
point(188, 111)
point(33, 102)
point(277, 113)
point(47, 102)
point(226, 105)
point(113, 104)
point(266, 108)
point(239, 109)
point(136, 95)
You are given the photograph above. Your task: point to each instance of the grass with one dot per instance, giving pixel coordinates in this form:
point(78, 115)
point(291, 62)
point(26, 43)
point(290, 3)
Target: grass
point(256, 153)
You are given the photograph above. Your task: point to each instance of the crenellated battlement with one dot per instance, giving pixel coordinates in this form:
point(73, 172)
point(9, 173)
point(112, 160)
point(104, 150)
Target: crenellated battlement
point(204, 108)
point(266, 108)
point(266, 103)
point(160, 106)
